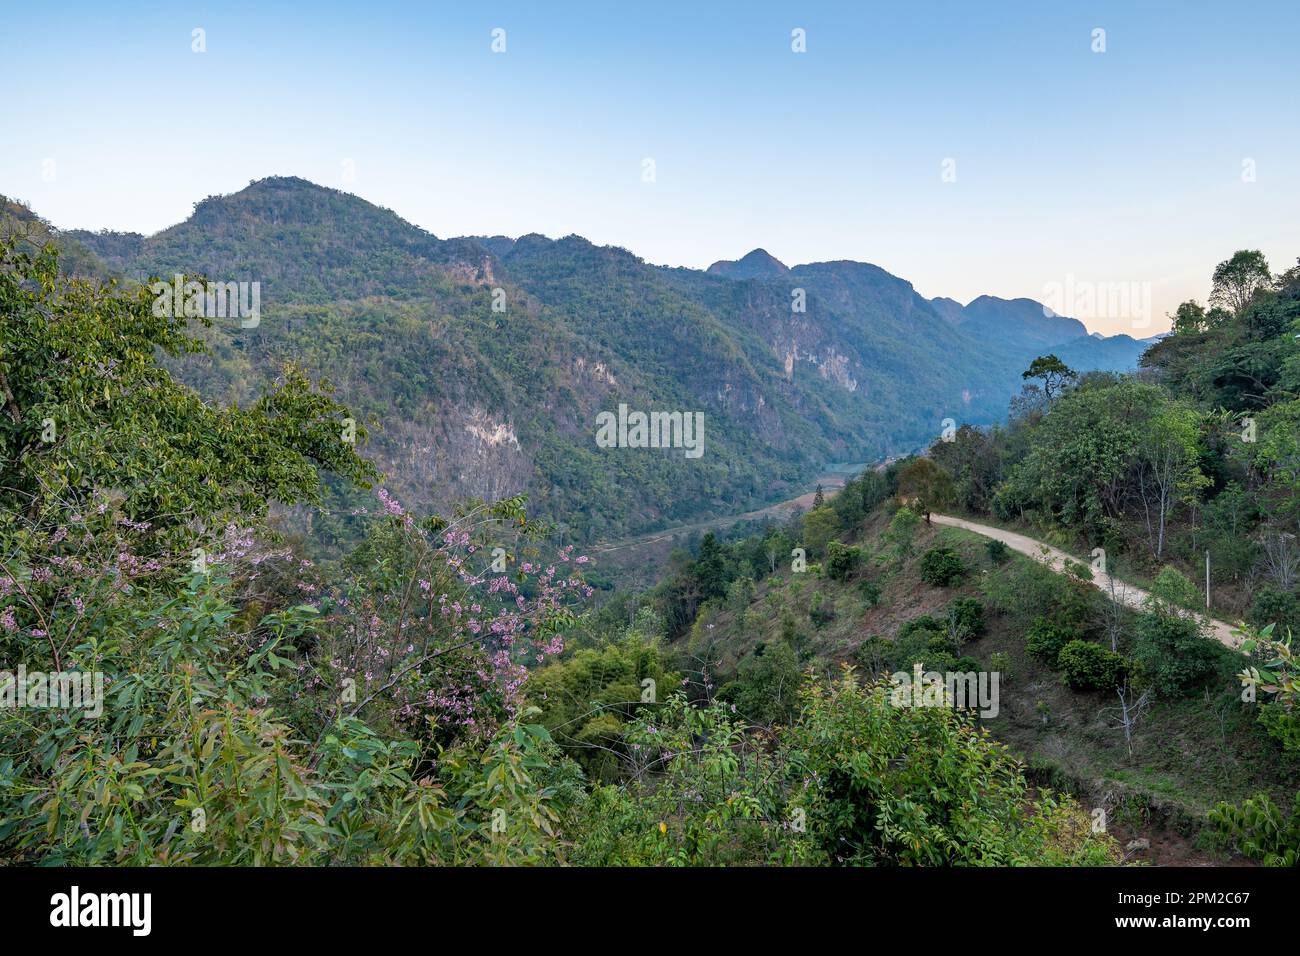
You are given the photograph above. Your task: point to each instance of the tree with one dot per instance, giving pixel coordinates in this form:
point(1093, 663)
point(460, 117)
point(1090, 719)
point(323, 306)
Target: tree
point(1055, 374)
point(819, 526)
point(819, 496)
point(1190, 318)
point(842, 560)
point(711, 568)
point(1128, 713)
point(1236, 280)
point(942, 567)
point(1168, 472)
point(925, 485)
point(87, 405)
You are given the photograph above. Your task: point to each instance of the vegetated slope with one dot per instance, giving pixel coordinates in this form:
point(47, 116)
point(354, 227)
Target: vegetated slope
point(481, 364)
point(1191, 749)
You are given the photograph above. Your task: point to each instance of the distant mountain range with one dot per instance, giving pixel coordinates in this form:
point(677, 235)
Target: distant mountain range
point(482, 362)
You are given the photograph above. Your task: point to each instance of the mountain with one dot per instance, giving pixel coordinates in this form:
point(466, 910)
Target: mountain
point(1020, 320)
point(18, 220)
point(481, 364)
point(1025, 327)
point(950, 309)
point(758, 264)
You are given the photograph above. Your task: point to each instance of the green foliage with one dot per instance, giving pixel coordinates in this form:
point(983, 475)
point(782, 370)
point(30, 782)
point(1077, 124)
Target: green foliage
point(1276, 606)
point(586, 700)
point(942, 567)
point(818, 611)
point(819, 526)
point(855, 781)
point(924, 640)
point(925, 485)
point(1046, 638)
point(921, 786)
point(966, 617)
point(766, 688)
point(1278, 676)
point(1055, 374)
point(1088, 666)
point(842, 560)
point(1262, 830)
point(1174, 655)
point(997, 551)
point(87, 406)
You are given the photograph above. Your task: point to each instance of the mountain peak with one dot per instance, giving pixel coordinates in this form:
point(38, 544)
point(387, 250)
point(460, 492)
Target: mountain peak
point(758, 264)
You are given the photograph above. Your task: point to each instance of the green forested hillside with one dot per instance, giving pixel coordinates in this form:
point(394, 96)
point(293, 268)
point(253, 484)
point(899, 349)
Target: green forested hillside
point(480, 365)
point(1189, 745)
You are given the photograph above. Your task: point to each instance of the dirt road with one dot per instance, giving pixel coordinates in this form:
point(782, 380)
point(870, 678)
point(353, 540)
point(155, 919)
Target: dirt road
point(1227, 634)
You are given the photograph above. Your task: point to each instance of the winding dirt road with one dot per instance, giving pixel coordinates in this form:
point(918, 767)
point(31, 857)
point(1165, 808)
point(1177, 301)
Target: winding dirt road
point(1227, 634)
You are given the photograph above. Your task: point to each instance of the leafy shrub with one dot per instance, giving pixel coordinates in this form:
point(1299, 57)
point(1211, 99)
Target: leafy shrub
point(1173, 653)
point(1088, 666)
point(870, 592)
point(942, 567)
point(1273, 605)
point(1262, 830)
point(1045, 639)
point(967, 616)
point(818, 612)
point(1000, 661)
point(842, 560)
point(1282, 725)
point(926, 641)
point(922, 622)
point(1278, 676)
point(917, 786)
point(997, 550)
point(766, 688)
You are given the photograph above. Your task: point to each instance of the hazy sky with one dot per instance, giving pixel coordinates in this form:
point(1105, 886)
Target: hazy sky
point(1116, 172)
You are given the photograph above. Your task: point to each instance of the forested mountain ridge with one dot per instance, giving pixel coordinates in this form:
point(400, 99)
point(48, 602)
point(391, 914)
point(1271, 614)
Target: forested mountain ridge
point(481, 364)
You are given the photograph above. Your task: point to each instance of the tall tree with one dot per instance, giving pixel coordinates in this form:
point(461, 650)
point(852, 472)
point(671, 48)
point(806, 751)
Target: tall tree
point(1236, 280)
point(1054, 373)
point(925, 483)
point(1168, 473)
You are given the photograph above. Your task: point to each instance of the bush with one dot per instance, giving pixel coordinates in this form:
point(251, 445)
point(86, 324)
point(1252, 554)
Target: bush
point(997, 551)
point(1000, 662)
point(842, 560)
point(968, 616)
point(942, 567)
point(1088, 666)
point(1272, 605)
point(1045, 639)
point(819, 613)
point(916, 786)
point(766, 688)
point(870, 592)
point(925, 641)
point(1262, 830)
point(1173, 653)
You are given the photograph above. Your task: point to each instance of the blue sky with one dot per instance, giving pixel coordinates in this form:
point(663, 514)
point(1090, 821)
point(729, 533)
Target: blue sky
point(1071, 166)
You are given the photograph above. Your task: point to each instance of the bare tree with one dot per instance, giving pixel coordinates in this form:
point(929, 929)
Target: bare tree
point(1281, 556)
point(1129, 712)
point(1112, 614)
